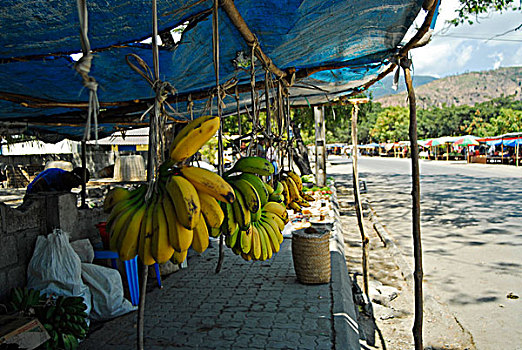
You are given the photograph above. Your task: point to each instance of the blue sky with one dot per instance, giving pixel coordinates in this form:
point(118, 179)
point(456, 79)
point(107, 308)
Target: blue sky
point(455, 50)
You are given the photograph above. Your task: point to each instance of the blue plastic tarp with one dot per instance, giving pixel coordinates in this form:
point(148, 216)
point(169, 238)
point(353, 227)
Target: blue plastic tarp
point(358, 35)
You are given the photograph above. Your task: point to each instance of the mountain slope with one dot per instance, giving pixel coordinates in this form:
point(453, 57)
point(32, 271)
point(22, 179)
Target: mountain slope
point(384, 87)
point(463, 89)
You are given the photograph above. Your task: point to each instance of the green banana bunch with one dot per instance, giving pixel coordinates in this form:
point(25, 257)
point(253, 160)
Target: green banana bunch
point(253, 223)
point(254, 165)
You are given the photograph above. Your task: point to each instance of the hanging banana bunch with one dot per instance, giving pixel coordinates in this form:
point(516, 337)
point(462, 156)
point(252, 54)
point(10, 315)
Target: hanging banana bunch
point(183, 210)
point(253, 223)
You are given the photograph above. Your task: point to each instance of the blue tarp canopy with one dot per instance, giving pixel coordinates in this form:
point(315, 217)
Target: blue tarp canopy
point(342, 44)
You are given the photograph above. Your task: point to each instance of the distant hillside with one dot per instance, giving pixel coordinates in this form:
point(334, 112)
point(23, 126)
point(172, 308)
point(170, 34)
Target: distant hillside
point(384, 87)
point(463, 89)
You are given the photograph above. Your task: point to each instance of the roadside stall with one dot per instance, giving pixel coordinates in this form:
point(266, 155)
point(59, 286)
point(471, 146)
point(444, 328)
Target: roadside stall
point(128, 68)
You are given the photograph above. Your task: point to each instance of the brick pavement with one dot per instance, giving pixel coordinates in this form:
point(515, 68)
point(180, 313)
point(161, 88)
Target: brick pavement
point(248, 305)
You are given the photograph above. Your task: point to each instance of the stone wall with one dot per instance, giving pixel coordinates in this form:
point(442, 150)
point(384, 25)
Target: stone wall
point(19, 229)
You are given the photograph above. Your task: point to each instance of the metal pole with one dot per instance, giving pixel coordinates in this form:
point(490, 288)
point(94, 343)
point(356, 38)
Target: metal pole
point(358, 206)
point(417, 244)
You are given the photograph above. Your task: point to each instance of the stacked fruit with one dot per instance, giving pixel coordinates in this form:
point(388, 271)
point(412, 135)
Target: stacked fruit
point(182, 210)
point(294, 197)
point(65, 322)
point(64, 318)
point(253, 223)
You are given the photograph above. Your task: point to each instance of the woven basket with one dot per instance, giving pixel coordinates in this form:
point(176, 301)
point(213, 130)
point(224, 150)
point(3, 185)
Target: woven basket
point(311, 255)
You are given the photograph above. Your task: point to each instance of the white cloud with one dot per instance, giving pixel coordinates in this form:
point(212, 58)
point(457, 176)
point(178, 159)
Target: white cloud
point(467, 48)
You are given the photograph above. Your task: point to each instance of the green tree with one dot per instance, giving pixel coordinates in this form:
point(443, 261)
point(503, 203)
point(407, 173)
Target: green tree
point(392, 124)
point(508, 120)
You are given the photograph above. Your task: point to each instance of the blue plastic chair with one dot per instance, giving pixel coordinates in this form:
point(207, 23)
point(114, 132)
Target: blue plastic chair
point(131, 270)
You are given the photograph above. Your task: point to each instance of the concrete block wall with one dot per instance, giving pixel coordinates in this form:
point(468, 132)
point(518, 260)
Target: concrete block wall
point(19, 230)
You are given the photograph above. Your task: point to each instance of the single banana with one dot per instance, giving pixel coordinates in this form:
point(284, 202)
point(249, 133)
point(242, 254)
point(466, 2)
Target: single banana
point(245, 240)
point(292, 188)
point(295, 207)
point(241, 213)
point(269, 189)
point(271, 216)
point(179, 257)
point(258, 185)
point(192, 137)
point(200, 240)
point(211, 210)
point(255, 250)
point(277, 209)
point(272, 236)
point(172, 222)
point(285, 193)
point(185, 199)
point(275, 228)
point(278, 188)
point(181, 238)
point(119, 225)
point(161, 249)
point(114, 196)
point(302, 202)
point(255, 165)
point(209, 182)
point(128, 244)
point(250, 195)
point(231, 239)
point(278, 198)
point(120, 207)
point(308, 197)
point(144, 249)
point(265, 242)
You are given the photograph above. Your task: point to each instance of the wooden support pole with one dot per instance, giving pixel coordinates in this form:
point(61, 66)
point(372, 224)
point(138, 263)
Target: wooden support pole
point(249, 37)
point(320, 147)
point(358, 206)
point(415, 193)
point(84, 175)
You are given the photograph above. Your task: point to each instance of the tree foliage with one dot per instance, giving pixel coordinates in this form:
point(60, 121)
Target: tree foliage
point(470, 10)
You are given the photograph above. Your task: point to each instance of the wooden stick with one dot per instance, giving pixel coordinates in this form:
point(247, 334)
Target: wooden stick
point(415, 193)
point(358, 206)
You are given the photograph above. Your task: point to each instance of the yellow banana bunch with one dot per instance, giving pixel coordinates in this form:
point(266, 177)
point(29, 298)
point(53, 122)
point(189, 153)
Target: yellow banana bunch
point(182, 211)
point(294, 197)
point(192, 137)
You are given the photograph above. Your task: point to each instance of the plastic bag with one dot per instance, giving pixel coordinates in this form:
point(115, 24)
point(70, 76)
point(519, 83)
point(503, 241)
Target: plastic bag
point(55, 268)
point(84, 249)
point(107, 292)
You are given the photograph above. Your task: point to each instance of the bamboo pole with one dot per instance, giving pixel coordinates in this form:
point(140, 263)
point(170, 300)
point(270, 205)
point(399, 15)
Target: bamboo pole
point(358, 206)
point(416, 232)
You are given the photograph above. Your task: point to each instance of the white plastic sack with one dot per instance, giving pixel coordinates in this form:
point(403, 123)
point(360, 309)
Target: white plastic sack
point(84, 249)
point(107, 292)
point(56, 268)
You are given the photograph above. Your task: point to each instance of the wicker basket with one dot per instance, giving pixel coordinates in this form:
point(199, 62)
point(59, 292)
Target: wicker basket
point(311, 255)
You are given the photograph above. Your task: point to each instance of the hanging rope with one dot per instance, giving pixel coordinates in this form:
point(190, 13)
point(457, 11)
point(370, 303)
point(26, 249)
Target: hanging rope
point(83, 67)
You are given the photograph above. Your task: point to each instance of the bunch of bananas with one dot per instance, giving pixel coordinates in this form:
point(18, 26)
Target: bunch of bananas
point(182, 211)
point(253, 224)
point(65, 321)
point(294, 197)
point(64, 318)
